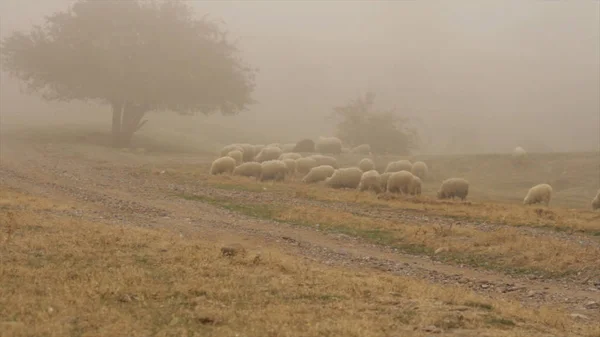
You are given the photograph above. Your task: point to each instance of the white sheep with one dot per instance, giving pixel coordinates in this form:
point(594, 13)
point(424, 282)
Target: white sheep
point(290, 155)
point(519, 155)
point(596, 201)
point(541, 193)
point(273, 170)
point(248, 151)
point(222, 165)
point(231, 147)
point(324, 160)
point(383, 180)
point(366, 165)
point(274, 145)
point(420, 169)
point(248, 169)
point(453, 187)
point(237, 155)
point(415, 186)
point(257, 149)
point(303, 165)
point(370, 181)
point(268, 153)
point(362, 149)
point(287, 148)
point(400, 182)
point(318, 173)
point(345, 178)
point(290, 164)
point(400, 165)
point(328, 145)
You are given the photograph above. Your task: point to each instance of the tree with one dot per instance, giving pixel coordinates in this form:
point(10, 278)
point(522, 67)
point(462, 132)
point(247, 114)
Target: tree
point(137, 56)
point(385, 131)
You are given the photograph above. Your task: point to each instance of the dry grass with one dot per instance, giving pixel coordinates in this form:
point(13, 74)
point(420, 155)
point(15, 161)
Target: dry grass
point(63, 276)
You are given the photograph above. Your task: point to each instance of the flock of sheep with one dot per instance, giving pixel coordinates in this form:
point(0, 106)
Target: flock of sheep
point(277, 162)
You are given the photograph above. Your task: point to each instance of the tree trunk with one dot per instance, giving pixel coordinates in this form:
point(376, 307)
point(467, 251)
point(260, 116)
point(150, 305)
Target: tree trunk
point(117, 110)
point(132, 122)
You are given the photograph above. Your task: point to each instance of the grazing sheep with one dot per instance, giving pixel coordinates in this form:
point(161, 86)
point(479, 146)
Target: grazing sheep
point(274, 145)
point(420, 169)
point(290, 164)
point(268, 153)
point(290, 155)
point(596, 201)
point(237, 155)
point(324, 160)
point(257, 149)
point(400, 165)
point(222, 165)
point(370, 181)
point(519, 155)
point(345, 178)
point(366, 165)
point(305, 145)
point(415, 186)
point(248, 169)
point(287, 148)
point(362, 149)
point(303, 165)
point(329, 145)
point(273, 170)
point(383, 180)
point(318, 173)
point(231, 147)
point(454, 187)
point(541, 193)
point(400, 182)
point(248, 151)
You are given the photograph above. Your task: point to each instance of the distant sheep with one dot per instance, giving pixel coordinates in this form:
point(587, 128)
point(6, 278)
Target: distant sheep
point(287, 148)
point(366, 165)
point(369, 181)
point(305, 145)
point(274, 145)
point(362, 149)
point(383, 180)
point(596, 201)
point(268, 153)
point(345, 178)
point(248, 151)
point(248, 169)
point(328, 145)
point(415, 186)
point(400, 182)
point(290, 155)
point(400, 165)
point(273, 170)
point(346, 150)
point(420, 169)
point(231, 147)
point(541, 193)
point(290, 164)
point(237, 155)
point(318, 173)
point(325, 160)
point(454, 187)
point(519, 155)
point(257, 149)
point(222, 165)
point(303, 165)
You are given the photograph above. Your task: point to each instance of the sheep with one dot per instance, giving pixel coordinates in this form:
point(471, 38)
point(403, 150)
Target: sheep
point(362, 149)
point(231, 147)
point(383, 180)
point(222, 165)
point(329, 145)
point(345, 150)
point(596, 201)
point(272, 170)
point(345, 178)
point(366, 165)
point(415, 186)
point(400, 182)
point(287, 148)
point(290, 164)
point(248, 151)
point(248, 169)
point(257, 149)
point(290, 155)
point(370, 181)
point(237, 155)
point(318, 173)
point(538, 194)
point(325, 160)
point(519, 155)
point(453, 187)
point(274, 145)
point(305, 145)
point(400, 165)
point(419, 169)
point(303, 165)
point(268, 153)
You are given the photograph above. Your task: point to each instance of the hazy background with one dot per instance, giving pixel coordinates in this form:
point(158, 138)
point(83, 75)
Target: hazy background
point(483, 76)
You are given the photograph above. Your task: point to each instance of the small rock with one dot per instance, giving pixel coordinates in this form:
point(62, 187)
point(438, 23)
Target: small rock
point(592, 305)
point(432, 329)
point(485, 286)
point(531, 293)
point(580, 316)
point(233, 250)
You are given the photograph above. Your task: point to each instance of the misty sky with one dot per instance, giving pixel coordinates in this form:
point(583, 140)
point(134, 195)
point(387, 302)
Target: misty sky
point(508, 72)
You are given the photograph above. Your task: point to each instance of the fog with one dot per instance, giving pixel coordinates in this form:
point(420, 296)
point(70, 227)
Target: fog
point(479, 76)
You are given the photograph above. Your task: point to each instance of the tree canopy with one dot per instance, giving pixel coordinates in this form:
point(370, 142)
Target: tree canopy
point(360, 123)
point(135, 55)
